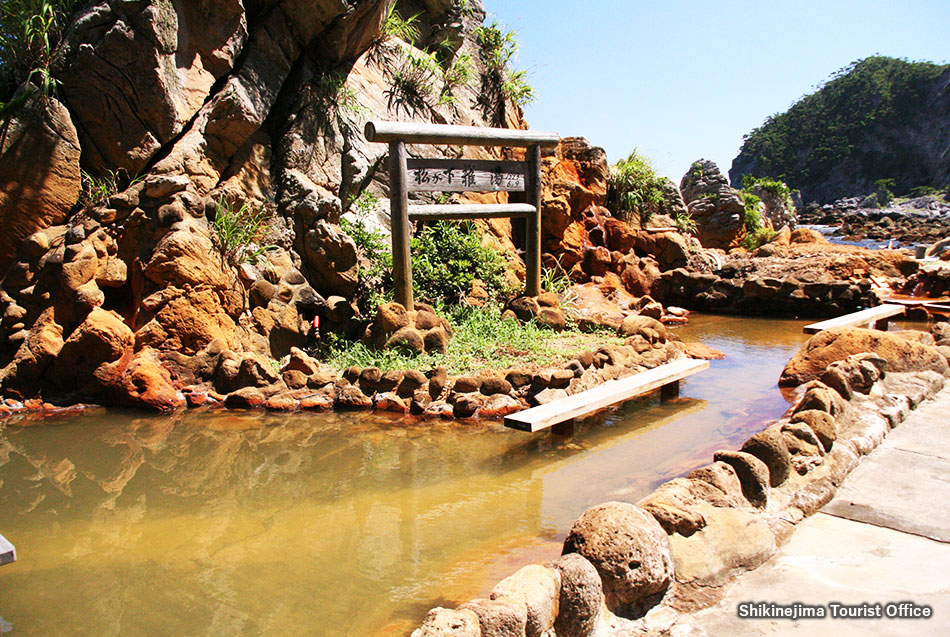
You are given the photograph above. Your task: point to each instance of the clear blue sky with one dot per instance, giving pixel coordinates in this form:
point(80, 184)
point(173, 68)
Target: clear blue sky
point(683, 80)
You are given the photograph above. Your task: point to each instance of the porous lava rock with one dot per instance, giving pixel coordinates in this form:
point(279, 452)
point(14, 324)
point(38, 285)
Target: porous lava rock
point(901, 354)
point(630, 551)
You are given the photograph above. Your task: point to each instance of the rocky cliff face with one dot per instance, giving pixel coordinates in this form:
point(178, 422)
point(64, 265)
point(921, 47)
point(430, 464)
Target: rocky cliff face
point(716, 208)
point(194, 110)
point(881, 118)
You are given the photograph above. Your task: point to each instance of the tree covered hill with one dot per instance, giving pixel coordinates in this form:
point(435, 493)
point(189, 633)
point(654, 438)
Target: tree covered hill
point(879, 118)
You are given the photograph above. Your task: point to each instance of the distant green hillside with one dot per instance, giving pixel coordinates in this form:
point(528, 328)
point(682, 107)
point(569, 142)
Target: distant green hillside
point(879, 118)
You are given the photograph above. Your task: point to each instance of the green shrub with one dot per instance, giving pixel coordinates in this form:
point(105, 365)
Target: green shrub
point(882, 188)
point(685, 223)
point(336, 97)
point(634, 190)
point(447, 257)
point(238, 232)
point(778, 189)
point(753, 212)
point(757, 238)
point(412, 85)
point(375, 269)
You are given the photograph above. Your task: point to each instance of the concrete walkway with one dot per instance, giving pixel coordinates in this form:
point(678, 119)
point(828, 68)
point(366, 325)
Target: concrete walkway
point(884, 539)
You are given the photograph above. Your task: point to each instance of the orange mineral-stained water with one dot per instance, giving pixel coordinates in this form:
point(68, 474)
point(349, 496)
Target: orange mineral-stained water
point(207, 523)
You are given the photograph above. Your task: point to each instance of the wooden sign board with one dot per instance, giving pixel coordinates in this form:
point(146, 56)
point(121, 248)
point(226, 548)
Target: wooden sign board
point(465, 175)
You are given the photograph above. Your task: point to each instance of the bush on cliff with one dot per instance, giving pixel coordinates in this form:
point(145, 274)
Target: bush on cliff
point(634, 190)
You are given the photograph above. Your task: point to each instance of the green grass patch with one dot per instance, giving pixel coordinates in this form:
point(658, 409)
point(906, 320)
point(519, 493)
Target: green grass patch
point(482, 340)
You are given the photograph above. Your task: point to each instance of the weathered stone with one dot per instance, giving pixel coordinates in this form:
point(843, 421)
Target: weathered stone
point(467, 384)
point(725, 489)
point(821, 423)
point(900, 353)
point(717, 209)
point(561, 378)
point(499, 617)
point(650, 329)
point(581, 598)
point(525, 307)
point(39, 172)
point(519, 377)
point(538, 588)
point(753, 474)
point(295, 379)
point(350, 397)
point(435, 341)
point(412, 380)
point(494, 385)
point(437, 380)
point(769, 447)
point(553, 317)
point(630, 551)
point(499, 406)
point(407, 340)
point(466, 405)
point(801, 440)
point(391, 317)
point(806, 235)
point(303, 362)
point(389, 401)
point(369, 379)
point(821, 397)
point(245, 398)
point(444, 622)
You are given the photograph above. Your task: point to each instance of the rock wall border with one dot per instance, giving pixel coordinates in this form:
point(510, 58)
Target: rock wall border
point(636, 567)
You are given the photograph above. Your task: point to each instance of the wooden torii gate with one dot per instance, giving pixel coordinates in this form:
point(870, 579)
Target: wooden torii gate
point(462, 175)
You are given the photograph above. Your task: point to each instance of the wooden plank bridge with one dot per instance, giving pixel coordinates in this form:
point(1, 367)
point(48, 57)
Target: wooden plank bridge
point(879, 316)
point(666, 378)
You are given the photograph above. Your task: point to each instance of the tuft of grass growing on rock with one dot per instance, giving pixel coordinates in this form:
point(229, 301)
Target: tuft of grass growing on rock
point(482, 340)
point(238, 232)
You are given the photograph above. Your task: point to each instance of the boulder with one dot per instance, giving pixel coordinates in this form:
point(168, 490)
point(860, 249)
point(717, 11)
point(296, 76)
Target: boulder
point(900, 353)
point(753, 474)
point(102, 338)
point(820, 397)
point(538, 588)
point(821, 423)
point(581, 596)
point(806, 235)
point(445, 622)
point(630, 551)
point(39, 171)
point(717, 209)
point(499, 617)
point(145, 383)
point(769, 447)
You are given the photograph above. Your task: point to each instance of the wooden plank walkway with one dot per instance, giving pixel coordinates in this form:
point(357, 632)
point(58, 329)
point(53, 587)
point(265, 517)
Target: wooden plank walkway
point(877, 315)
point(665, 377)
point(7, 552)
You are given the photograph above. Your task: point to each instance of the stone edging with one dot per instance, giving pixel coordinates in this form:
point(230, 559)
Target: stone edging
point(634, 567)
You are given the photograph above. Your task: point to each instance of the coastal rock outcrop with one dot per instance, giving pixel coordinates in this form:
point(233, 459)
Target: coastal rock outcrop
point(717, 209)
point(897, 353)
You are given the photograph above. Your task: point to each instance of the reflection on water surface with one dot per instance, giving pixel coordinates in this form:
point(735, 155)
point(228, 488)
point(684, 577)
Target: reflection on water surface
point(333, 524)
